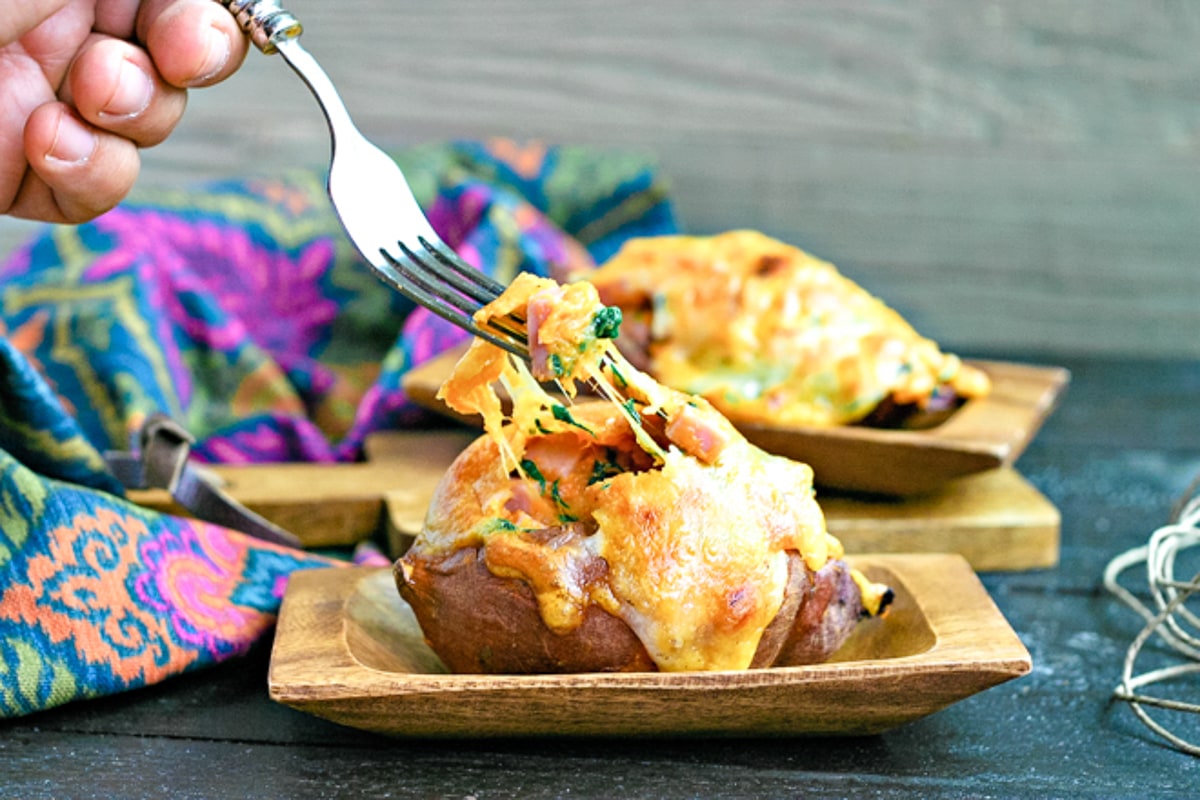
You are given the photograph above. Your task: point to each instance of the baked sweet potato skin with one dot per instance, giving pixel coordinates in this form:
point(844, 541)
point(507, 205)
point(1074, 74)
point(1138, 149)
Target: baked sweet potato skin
point(831, 605)
point(480, 623)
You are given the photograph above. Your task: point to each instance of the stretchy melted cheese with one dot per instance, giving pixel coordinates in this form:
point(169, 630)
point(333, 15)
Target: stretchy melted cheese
point(649, 505)
point(768, 333)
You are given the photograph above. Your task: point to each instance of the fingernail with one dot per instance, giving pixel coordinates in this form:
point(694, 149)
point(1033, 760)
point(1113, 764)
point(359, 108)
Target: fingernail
point(133, 93)
point(215, 58)
point(73, 141)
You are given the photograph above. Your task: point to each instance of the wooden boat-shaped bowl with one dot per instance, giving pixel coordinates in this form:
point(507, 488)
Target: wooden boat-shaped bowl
point(349, 649)
point(982, 434)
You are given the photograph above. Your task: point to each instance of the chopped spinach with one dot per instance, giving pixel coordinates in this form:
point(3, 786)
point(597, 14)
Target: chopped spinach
point(563, 414)
point(557, 366)
point(500, 525)
point(531, 469)
point(564, 507)
point(603, 470)
point(617, 376)
point(631, 407)
point(606, 322)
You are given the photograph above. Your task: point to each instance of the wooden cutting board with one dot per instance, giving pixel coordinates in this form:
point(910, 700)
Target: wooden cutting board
point(995, 519)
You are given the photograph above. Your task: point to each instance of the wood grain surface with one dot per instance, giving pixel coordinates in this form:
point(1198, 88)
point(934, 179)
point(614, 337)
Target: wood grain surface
point(330, 505)
point(1010, 175)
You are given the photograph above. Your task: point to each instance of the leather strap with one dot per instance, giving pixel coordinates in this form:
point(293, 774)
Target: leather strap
point(161, 462)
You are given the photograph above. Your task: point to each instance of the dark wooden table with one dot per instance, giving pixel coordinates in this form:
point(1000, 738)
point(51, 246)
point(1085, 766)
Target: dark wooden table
point(1114, 458)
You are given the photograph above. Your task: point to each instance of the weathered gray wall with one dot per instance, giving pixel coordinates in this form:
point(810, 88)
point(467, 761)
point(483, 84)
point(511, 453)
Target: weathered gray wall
point(1021, 174)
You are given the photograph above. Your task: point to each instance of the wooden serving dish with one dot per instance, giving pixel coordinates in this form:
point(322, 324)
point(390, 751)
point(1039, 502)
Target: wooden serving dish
point(983, 434)
point(348, 649)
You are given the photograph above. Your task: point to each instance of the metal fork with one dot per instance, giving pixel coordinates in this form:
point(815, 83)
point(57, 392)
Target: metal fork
point(373, 200)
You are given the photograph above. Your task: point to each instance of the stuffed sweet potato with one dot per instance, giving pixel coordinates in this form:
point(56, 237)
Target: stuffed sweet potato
point(770, 334)
point(642, 532)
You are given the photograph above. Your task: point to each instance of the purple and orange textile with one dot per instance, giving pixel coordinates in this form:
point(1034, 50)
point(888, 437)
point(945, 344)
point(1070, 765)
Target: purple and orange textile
point(239, 310)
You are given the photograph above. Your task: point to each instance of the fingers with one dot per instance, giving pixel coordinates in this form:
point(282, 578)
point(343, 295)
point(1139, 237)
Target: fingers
point(114, 86)
point(192, 42)
point(19, 18)
point(77, 171)
point(117, 96)
point(138, 93)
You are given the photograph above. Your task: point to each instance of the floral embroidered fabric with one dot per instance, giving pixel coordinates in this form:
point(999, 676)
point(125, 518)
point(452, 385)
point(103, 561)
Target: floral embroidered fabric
point(241, 311)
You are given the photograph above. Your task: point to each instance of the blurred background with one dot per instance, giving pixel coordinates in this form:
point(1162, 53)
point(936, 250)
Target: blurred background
point(1011, 176)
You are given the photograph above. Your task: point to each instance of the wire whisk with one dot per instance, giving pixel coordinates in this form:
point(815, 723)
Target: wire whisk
point(1170, 619)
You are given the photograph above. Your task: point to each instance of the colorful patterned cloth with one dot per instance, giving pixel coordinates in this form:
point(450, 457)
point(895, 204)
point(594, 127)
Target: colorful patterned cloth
point(240, 311)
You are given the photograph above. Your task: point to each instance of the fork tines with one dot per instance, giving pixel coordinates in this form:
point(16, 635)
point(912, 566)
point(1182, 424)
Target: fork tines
point(451, 288)
point(439, 280)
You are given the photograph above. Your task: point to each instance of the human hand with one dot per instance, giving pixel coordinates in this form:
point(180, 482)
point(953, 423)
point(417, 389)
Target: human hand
point(85, 83)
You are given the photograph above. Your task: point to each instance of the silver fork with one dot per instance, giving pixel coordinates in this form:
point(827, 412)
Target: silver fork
point(373, 200)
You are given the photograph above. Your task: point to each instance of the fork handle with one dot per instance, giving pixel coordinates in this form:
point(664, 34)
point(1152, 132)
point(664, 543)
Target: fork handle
point(265, 21)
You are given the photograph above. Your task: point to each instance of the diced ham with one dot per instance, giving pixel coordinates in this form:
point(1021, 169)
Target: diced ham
point(559, 456)
point(697, 434)
point(540, 306)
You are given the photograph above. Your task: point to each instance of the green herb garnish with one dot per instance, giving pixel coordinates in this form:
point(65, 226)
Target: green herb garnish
point(563, 505)
point(617, 376)
point(607, 322)
point(563, 414)
point(556, 365)
point(603, 470)
point(531, 469)
point(631, 407)
point(499, 525)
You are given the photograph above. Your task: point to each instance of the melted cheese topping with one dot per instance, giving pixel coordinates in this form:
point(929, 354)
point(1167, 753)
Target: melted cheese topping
point(768, 333)
point(697, 553)
point(649, 504)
